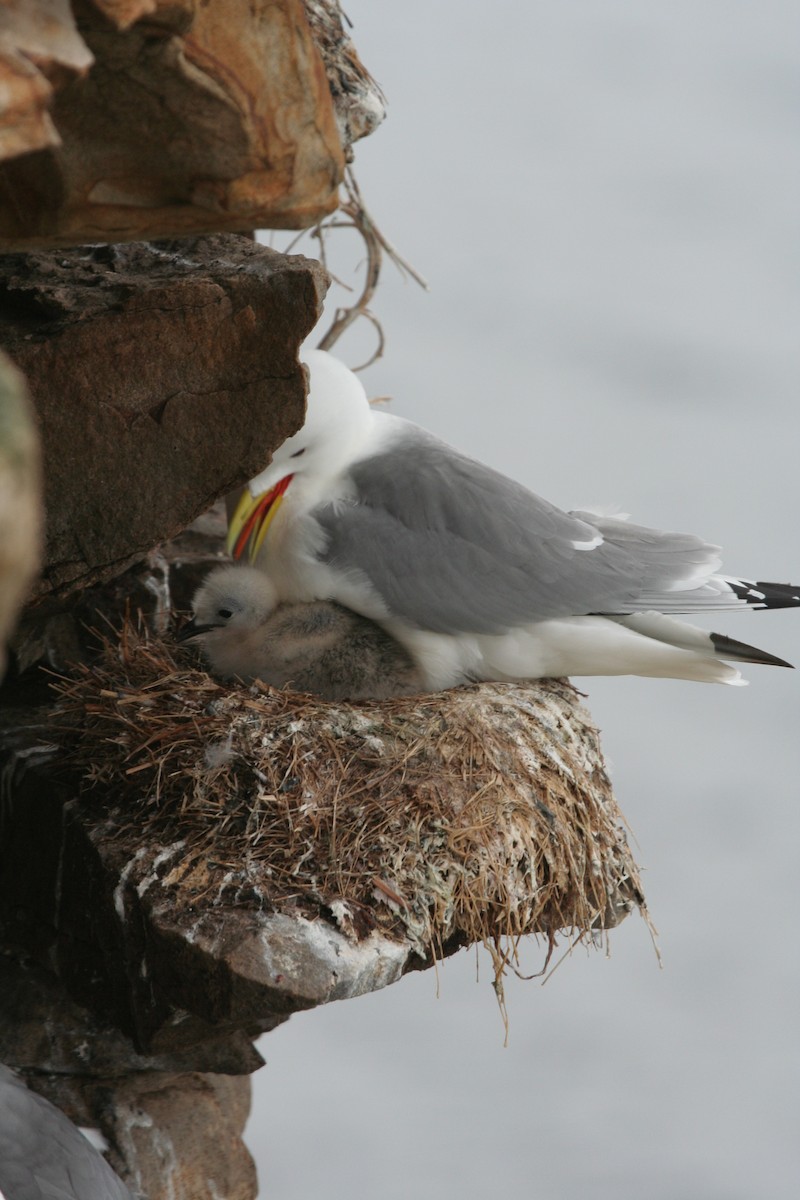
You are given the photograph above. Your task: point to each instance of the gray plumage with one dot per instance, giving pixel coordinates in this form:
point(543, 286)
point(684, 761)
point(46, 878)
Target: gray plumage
point(42, 1154)
point(320, 647)
point(452, 546)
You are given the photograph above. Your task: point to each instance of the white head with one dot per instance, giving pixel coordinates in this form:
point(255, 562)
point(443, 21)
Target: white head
point(232, 598)
point(338, 419)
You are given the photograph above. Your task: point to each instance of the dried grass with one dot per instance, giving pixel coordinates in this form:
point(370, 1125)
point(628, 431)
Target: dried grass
point(477, 815)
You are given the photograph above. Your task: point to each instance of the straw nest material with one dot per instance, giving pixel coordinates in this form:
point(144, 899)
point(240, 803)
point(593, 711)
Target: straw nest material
point(475, 815)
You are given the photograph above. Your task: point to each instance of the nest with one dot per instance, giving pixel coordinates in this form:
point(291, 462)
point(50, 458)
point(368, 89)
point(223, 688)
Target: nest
point(476, 815)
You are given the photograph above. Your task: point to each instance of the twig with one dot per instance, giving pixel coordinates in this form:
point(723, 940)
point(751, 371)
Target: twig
point(376, 244)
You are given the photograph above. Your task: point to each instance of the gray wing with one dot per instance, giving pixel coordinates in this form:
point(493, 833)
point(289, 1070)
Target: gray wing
point(453, 546)
point(43, 1156)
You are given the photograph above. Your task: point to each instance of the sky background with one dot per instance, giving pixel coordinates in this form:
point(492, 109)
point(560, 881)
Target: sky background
point(604, 198)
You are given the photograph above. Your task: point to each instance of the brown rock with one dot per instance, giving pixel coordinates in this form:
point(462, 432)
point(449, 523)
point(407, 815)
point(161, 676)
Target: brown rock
point(20, 499)
point(163, 377)
point(179, 1137)
point(193, 118)
point(358, 101)
point(39, 48)
point(122, 13)
point(43, 1030)
point(171, 1137)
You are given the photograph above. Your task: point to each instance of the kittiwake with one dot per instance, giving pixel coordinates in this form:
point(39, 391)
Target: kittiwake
point(319, 647)
point(475, 575)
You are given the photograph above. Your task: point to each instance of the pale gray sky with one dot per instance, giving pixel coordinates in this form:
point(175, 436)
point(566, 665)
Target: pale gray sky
point(604, 197)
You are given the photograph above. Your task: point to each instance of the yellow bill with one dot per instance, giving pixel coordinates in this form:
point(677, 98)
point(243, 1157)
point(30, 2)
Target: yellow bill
point(251, 521)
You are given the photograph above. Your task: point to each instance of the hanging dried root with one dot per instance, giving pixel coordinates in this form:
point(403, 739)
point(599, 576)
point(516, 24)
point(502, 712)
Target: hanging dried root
point(376, 245)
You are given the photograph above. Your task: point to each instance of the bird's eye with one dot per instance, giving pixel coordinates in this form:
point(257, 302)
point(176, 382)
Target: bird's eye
point(225, 613)
point(297, 453)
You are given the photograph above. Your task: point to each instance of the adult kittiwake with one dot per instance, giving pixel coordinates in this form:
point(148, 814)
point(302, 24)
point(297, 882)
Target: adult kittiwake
point(317, 647)
point(476, 576)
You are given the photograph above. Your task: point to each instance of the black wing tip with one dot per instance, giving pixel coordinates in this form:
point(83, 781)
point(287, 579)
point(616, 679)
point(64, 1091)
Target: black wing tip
point(760, 594)
point(727, 647)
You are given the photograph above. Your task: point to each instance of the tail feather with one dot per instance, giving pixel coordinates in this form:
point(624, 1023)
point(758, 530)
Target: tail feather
point(727, 647)
point(663, 628)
